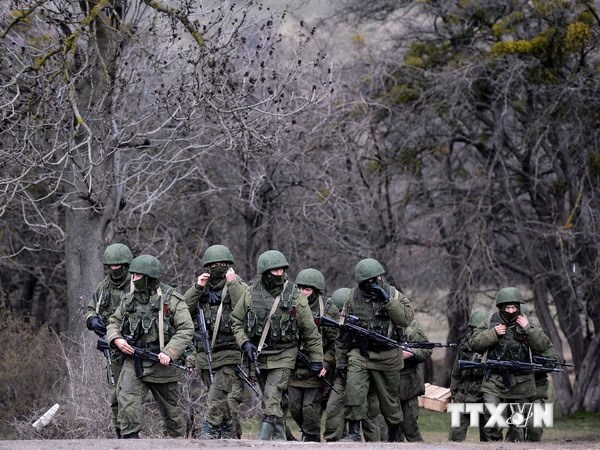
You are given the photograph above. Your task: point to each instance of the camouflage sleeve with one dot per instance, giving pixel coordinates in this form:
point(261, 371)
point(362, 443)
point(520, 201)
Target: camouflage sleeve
point(483, 338)
point(313, 345)
point(115, 323)
point(236, 289)
point(184, 328)
point(414, 333)
point(341, 346)
point(538, 341)
point(329, 335)
point(238, 318)
point(455, 377)
point(191, 297)
point(400, 309)
point(91, 306)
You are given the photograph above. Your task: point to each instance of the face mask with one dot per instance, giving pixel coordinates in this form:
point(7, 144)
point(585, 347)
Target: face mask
point(217, 272)
point(510, 317)
point(141, 284)
point(117, 274)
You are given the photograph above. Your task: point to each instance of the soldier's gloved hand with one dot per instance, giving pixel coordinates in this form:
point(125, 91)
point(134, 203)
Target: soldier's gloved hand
point(97, 325)
point(315, 367)
point(249, 350)
point(380, 293)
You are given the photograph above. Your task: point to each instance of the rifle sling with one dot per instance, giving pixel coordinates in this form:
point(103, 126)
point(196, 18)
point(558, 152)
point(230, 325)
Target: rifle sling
point(161, 321)
point(218, 318)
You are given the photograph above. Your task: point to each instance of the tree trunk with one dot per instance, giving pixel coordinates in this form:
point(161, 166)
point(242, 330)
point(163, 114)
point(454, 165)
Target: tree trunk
point(587, 384)
point(83, 263)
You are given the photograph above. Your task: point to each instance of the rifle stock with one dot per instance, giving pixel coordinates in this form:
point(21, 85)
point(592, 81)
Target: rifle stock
point(244, 377)
point(305, 360)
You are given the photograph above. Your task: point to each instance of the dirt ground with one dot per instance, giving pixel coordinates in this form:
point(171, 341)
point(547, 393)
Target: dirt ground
point(159, 444)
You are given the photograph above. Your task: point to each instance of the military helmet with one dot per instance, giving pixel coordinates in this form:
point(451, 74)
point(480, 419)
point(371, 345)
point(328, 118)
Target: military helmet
point(117, 254)
point(312, 278)
point(217, 253)
point(367, 269)
point(271, 259)
point(340, 296)
point(146, 265)
point(477, 318)
point(509, 295)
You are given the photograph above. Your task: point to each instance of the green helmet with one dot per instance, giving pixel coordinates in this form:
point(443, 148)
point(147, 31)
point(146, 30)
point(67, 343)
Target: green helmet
point(271, 259)
point(146, 265)
point(217, 253)
point(477, 318)
point(312, 278)
point(340, 296)
point(509, 295)
point(367, 269)
point(117, 254)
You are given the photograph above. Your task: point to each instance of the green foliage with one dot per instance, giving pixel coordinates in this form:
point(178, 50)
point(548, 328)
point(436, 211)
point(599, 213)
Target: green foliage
point(403, 93)
point(29, 367)
point(424, 55)
point(536, 46)
point(409, 160)
point(594, 166)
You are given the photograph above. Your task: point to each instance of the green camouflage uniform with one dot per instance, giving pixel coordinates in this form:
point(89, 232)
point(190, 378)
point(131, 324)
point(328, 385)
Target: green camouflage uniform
point(382, 365)
point(226, 393)
point(138, 316)
point(465, 387)
point(306, 391)
point(291, 318)
point(109, 297)
point(533, 434)
point(516, 345)
point(412, 384)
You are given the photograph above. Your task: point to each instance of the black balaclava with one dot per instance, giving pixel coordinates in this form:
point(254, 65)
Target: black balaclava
point(510, 317)
point(118, 275)
point(144, 287)
point(217, 280)
point(365, 286)
point(273, 283)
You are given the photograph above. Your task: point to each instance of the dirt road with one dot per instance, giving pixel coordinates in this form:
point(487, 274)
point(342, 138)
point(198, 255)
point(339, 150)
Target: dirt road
point(160, 444)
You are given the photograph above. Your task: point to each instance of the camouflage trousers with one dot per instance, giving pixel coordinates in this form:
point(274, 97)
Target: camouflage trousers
point(386, 386)
point(275, 383)
point(224, 398)
point(409, 424)
point(513, 434)
point(117, 365)
point(131, 393)
point(305, 408)
point(460, 434)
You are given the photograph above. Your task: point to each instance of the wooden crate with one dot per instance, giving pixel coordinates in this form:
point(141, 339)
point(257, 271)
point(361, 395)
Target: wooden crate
point(435, 398)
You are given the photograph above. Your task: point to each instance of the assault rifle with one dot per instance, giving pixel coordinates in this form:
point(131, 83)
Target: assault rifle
point(551, 362)
point(240, 373)
point(305, 360)
point(205, 341)
point(105, 350)
point(352, 328)
point(505, 368)
point(138, 355)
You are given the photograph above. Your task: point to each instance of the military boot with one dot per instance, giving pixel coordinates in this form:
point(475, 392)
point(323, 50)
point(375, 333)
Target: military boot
point(209, 431)
point(289, 435)
point(279, 434)
point(267, 426)
point(227, 430)
point(135, 435)
point(311, 437)
point(353, 432)
point(395, 434)
point(118, 430)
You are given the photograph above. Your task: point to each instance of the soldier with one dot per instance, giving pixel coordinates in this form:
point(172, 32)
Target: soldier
point(155, 317)
point(465, 385)
point(509, 336)
point(267, 322)
point(306, 389)
point(383, 309)
point(411, 382)
point(216, 292)
point(117, 258)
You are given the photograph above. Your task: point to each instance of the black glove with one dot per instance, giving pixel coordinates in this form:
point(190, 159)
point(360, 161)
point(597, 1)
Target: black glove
point(315, 367)
point(97, 325)
point(341, 371)
point(249, 350)
point(380, 293)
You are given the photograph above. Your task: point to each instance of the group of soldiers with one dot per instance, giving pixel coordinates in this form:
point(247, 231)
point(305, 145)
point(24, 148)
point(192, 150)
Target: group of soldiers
point(341, 357)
